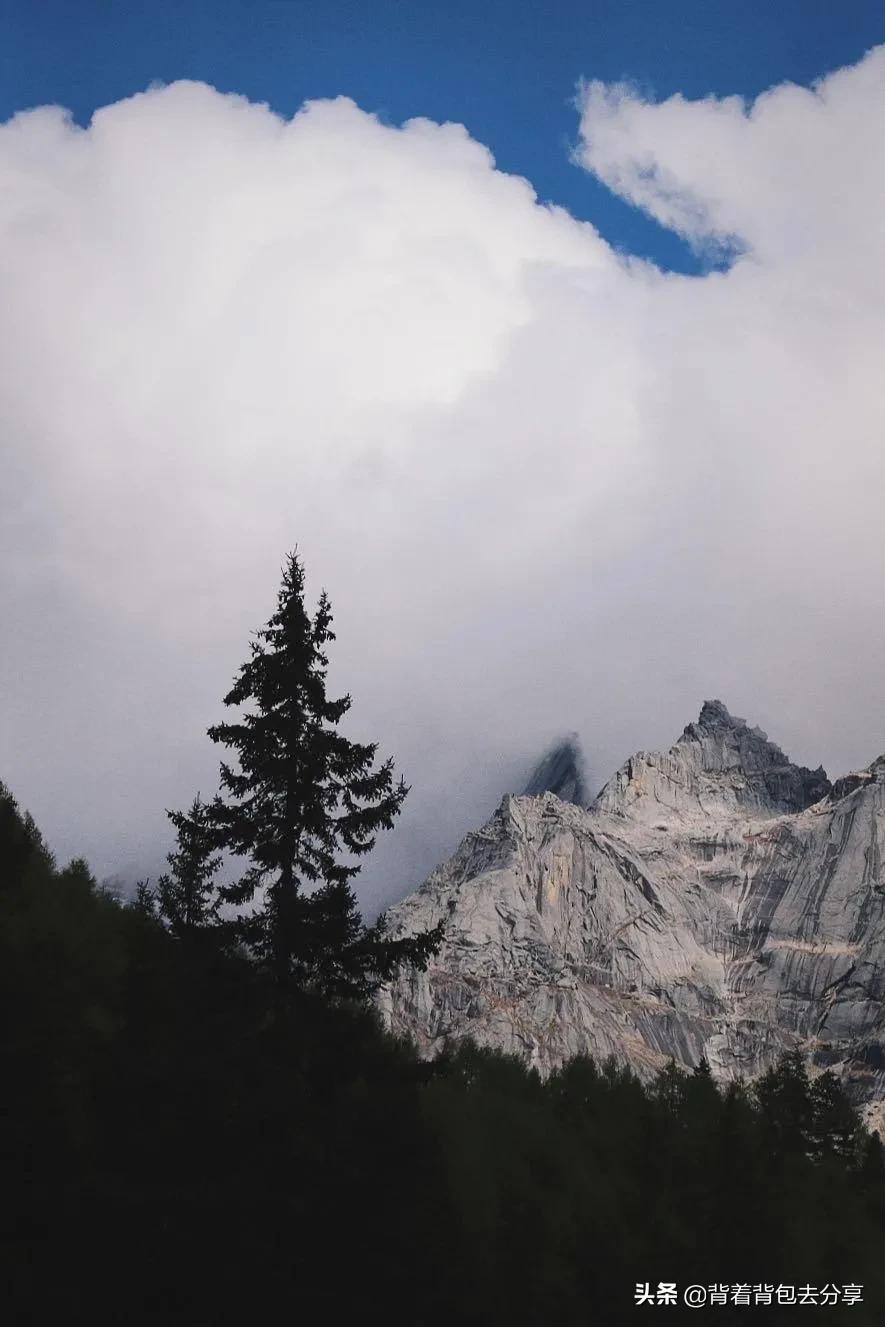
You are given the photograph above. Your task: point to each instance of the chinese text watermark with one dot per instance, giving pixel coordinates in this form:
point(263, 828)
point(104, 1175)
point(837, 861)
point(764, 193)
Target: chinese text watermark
point(698, 1296)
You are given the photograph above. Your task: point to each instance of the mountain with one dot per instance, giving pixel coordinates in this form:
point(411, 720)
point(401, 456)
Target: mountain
point(716, 900)
point(561, 771)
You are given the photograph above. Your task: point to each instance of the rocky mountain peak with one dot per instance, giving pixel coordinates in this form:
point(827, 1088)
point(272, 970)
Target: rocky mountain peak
point(715, 716)
point(560, 771)
point(719, 766)
point(756, 769)
point(696, 908)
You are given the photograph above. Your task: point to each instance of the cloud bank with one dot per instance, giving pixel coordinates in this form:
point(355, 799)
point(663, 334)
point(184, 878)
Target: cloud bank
point(547, 487)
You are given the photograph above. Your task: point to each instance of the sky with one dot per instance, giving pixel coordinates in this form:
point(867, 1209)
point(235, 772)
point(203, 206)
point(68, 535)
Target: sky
point(507, 69)
point(550, 335)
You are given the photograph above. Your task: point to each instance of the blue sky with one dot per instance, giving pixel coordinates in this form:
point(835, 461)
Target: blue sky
point(505, 70)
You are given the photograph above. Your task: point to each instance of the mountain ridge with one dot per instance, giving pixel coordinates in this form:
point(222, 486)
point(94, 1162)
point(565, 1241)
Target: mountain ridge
point(714, 900)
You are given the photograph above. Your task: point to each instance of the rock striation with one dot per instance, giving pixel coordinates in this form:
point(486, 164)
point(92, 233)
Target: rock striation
point(714, 900)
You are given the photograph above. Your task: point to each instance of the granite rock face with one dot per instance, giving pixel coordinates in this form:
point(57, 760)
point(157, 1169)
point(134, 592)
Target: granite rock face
point(714, 900)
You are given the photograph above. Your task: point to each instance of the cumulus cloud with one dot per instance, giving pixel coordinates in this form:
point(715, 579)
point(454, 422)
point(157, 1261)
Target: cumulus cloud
point(547, 487)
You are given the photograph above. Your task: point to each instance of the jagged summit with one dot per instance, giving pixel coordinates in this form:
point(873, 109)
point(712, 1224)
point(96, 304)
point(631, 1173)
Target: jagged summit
point(560, 771)
point(718, 765)
point(728, 746)
point(715, 716)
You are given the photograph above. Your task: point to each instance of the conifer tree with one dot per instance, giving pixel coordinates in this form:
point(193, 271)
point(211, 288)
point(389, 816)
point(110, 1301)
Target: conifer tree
point(22, 850)
point(186, 896)
point(701, 1102)
point(301, 801)
point(784, 1095)
point(835, 1124)
point(669, 1087)
point(872, 1160)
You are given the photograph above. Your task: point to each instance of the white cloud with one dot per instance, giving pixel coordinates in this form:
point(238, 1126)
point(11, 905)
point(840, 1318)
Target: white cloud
point(545, 487)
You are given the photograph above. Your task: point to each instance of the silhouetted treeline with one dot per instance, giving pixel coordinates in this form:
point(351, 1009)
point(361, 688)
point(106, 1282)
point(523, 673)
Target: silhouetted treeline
point(176, 1151)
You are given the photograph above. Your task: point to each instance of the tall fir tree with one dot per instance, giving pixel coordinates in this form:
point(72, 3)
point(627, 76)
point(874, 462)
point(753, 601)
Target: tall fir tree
point(301, 801)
